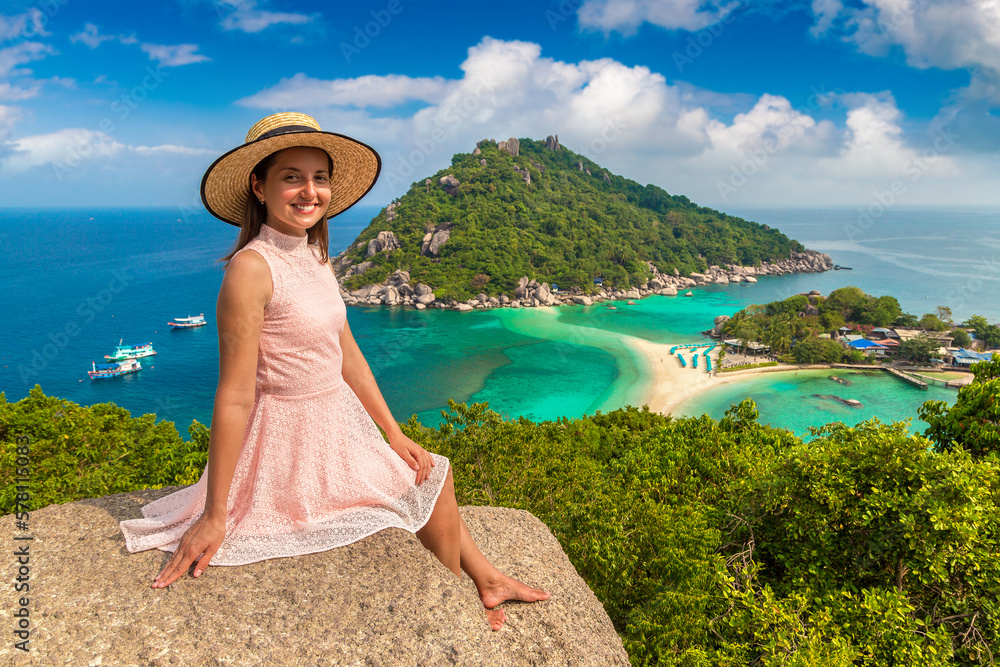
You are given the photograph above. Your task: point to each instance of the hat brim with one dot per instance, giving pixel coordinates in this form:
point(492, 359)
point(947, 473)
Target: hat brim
point(226, 185)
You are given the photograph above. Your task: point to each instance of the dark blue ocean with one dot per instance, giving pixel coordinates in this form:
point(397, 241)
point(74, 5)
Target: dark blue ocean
point(77, 281)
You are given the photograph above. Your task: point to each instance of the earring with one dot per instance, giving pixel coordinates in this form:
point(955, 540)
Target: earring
point(261, 201)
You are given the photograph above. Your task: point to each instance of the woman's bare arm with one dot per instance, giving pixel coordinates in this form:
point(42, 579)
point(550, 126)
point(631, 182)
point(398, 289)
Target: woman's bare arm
point(245, 293)
point(359, 376)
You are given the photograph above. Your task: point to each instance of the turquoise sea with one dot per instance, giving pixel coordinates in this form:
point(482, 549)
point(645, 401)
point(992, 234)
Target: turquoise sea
point(76, 281)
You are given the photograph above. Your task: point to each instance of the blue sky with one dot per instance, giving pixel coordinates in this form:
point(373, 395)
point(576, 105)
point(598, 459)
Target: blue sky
point(727, 102)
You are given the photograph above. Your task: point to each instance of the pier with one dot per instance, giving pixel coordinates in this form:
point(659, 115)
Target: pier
point(908, 378)
point(892, 371)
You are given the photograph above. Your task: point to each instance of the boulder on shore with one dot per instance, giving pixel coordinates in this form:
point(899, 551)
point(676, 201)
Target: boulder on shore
point(382, 601)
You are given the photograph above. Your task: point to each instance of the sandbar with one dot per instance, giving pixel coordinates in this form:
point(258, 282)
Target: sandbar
point(670, 384)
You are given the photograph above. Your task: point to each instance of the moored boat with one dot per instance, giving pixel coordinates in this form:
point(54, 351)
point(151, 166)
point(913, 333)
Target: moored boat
point(131, 351)
point(114, 370)
point(188, 322)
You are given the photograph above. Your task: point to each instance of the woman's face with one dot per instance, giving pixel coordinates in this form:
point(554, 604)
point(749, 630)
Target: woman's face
point(296, 189)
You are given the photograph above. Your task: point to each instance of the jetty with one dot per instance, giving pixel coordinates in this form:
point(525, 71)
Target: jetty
point(892, 371)
point(907, 378)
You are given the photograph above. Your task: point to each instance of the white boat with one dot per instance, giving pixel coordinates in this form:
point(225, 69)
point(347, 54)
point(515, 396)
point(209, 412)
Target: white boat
point(188, 322)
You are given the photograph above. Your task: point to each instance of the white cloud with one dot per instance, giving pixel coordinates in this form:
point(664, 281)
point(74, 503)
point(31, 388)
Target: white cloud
point(947, 34)
point(91, 36)
point(68, 148)
point(20, 54)
point(10, 58)
point(174, 55)
point(625, 16)
point(28, 25)
point(9, 115)
point(634, 122)
point(244, 16)
point(363, 91)
point(170, 149)
point(826, 12)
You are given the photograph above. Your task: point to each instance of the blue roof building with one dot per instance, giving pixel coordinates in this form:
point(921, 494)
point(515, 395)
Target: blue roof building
point(967, 357)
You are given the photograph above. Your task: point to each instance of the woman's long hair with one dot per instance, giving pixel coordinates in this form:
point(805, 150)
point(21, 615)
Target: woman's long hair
point(256, 215)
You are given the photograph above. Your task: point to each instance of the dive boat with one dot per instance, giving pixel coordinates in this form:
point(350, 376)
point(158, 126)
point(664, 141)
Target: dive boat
point(131, 351)
point(188, 322)
point(114, 370)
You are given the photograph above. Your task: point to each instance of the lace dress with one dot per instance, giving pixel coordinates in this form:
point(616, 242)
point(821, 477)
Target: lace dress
point(314, 472)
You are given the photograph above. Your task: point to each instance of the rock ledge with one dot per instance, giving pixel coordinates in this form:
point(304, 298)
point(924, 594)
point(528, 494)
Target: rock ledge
point(382, 601)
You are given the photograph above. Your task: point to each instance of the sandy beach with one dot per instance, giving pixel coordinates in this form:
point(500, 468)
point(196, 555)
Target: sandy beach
point(671, 384)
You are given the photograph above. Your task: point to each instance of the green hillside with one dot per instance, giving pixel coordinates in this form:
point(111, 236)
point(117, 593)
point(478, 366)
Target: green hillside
point(563, 226)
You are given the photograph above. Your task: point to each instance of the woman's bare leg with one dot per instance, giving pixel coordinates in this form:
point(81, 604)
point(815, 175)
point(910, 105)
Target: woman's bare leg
point(446, 535)
point(442, 534)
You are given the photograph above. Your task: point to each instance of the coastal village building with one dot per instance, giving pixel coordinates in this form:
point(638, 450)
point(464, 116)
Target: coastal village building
point(869, 347)
point(964, 358)
point(753, 347)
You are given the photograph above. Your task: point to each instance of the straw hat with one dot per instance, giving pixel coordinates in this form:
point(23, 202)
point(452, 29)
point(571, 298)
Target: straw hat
point(226, 185)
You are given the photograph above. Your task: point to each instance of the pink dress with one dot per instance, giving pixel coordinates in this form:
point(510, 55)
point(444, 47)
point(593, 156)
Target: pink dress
point(314, 472)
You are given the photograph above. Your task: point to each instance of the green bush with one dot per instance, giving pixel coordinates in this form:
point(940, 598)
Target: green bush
point(708, 542)
point(87, 452)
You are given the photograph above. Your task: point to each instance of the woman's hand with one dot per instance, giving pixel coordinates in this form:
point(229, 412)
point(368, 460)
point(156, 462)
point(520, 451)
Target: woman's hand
point(203, 538)
point(414, 455)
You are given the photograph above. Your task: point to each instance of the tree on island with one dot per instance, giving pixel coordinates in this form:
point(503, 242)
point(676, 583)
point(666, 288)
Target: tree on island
point(960, 338)
point(973, 423)
point(818, 351)
point(919, 348)
point(931, 322)
point(986, 332)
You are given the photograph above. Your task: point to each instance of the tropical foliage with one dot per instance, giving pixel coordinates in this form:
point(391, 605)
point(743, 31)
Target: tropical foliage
point(80, 452)
point(565, 227)
point(973, 423)
point(794, 324)
point(708, 542)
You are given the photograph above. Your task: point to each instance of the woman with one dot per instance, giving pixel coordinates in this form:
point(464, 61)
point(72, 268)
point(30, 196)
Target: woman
point(295, 463)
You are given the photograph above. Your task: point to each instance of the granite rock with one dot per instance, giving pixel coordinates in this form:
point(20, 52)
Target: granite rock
point(382, 601)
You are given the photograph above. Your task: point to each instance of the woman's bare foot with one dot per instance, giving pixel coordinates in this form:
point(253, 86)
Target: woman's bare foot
point(503, 588)
point(496, 618)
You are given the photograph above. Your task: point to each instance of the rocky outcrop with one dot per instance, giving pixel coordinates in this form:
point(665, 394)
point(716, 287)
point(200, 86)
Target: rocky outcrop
point(720, 322)
point(385, 242)
point(607, 179)
point(358, 269)
point(552, 143)
point(512, 146)
point(476, 151)
point(390, 211)
point(433, 240)
point(382, 601)
point(482, 162)
point(524, 174)
point(530, 293)
point(450, 184)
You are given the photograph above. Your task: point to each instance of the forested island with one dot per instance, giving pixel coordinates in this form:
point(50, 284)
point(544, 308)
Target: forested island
point(812, 328)
point(708, 542)
point(521, 210)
